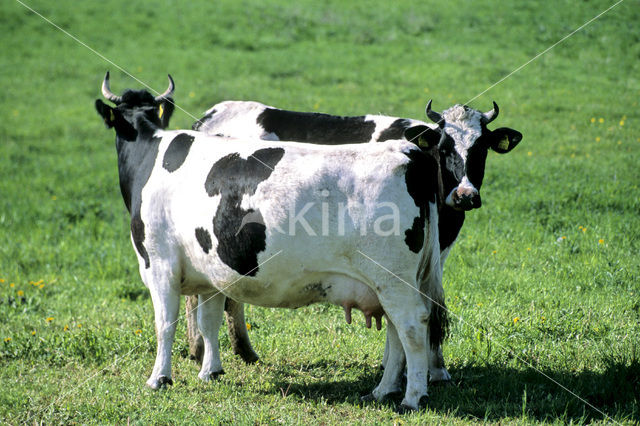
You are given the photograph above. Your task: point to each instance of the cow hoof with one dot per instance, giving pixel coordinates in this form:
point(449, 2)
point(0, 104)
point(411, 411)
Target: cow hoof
point(368, 398)
point(440, 375)
point(216, 374)
point(249, 358)
point(406, 408)
point(391, 396)
point(161, 382)
point(207, 377)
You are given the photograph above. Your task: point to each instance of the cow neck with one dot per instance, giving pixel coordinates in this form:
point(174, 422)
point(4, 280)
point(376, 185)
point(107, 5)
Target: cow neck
point(135, 163)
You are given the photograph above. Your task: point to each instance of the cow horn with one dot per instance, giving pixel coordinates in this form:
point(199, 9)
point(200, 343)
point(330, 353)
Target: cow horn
point(436, 117)
point(106, 91)
point(491, 115)
point(167, 93)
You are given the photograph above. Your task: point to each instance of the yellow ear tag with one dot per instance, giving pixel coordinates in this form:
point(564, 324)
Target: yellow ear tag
point(111, 116)
point(160, 110)
point(504, 143)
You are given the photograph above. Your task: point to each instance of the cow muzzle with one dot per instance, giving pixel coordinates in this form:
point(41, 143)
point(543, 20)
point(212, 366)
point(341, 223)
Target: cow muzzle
point(464, 199)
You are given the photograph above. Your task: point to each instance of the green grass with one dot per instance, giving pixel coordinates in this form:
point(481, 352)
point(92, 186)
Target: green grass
point(544, 282)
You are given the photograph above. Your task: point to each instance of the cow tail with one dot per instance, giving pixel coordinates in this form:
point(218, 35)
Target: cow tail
point(430, 279)
point(438, 324)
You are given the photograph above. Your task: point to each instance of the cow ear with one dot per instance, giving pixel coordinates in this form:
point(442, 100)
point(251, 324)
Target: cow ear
point(165, 111)
point(106, 112)
point(504, 139)
point(423, 136)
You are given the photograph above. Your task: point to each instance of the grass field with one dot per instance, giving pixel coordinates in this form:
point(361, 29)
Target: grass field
point(543, 284)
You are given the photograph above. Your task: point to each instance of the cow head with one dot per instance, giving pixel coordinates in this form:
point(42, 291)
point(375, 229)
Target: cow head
point(463, 141)
point(133, 106)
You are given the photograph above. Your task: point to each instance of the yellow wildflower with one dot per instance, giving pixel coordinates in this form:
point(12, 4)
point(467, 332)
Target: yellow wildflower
point(33, 333)
point(600, 241)
point(248, 326)
point(12, 285)
point(1, 280)
point(7, 339)
point(601, 120)
point(20, 293)
point(79, 325)
point(66, 327)
point(622, 122)
point(516, 319)
point(593, 119)
point(192, 94)
point(49, 319)
point(138, 332)
point(597, 138)
point(41, 286)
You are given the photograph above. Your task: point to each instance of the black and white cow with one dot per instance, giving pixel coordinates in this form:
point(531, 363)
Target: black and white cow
point(190, 195)
point(465, 141)
point(247, 119)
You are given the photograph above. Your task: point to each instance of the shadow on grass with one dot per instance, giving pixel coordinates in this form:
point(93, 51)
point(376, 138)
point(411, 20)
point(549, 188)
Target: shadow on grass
point(483, 392)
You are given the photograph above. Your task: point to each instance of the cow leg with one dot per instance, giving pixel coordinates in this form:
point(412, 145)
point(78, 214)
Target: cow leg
point(395, 360)
point(210, 311)
point(240, 343)
point(196, 344)
point(437, 370)
point(166, 306)
point(410, 317)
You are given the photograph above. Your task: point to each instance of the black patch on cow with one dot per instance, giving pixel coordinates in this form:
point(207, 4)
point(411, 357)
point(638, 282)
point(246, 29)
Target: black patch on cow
point(135, 164)
point(395, 130)
point(316, 288)
point(177, 152)
point(315, 127)
point(453, 168)
point(414, 237)
point(476, 161)
point(422, 184)
point(198, 124)
point(232, 177)
point(204, 238)
point(137, 233)
point(450, 222)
